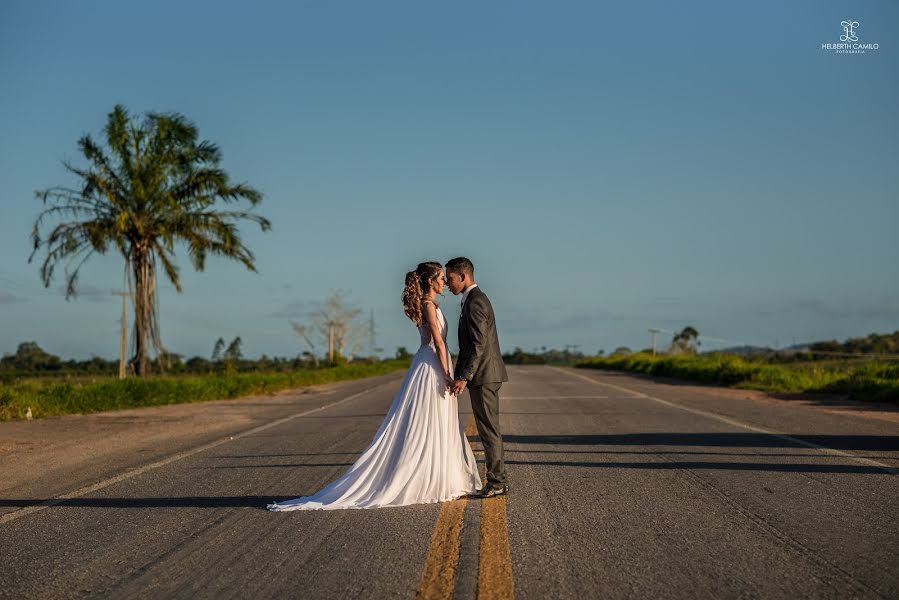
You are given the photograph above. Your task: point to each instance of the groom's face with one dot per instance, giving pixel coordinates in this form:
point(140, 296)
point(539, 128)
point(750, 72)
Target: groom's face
point(455, 282)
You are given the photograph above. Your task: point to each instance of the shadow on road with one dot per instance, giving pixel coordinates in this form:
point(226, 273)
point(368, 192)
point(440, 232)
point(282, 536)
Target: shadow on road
point(731, 440)
point(292, 465)
point(726, 440)
point(295, 454)
point(684, 453)
point(179, 502)
point(727, 466)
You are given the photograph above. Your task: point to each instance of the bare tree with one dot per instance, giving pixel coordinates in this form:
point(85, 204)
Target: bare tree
point(685, 342)
point(303, 330)
point(335, 322)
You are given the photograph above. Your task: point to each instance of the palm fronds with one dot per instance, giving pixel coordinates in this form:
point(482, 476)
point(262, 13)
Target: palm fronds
point(154, 184)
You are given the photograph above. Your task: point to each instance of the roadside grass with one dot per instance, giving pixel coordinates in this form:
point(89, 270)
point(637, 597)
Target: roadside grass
point(875, 381)
point(50, 397)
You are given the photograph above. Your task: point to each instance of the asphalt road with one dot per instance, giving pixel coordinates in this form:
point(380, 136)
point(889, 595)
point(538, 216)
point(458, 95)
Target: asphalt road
point(622, 487)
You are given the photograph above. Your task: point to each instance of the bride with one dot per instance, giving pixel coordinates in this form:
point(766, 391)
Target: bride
point(420, 453)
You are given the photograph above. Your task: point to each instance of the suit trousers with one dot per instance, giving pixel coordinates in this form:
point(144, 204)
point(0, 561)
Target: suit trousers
point(485, 406)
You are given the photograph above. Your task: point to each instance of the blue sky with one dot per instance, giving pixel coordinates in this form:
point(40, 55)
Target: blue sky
point(608, 167)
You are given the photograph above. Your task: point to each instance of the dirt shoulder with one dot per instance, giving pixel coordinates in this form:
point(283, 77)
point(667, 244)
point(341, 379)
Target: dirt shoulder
point(46, 457)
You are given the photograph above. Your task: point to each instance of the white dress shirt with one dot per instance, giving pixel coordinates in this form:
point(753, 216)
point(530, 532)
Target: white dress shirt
point(466, 292)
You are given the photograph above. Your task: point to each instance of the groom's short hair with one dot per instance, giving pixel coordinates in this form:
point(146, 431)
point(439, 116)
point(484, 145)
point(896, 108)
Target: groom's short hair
point(461, 265)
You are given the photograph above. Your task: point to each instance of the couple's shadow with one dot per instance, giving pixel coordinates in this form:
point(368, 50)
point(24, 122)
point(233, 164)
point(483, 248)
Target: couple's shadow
point(712, 445)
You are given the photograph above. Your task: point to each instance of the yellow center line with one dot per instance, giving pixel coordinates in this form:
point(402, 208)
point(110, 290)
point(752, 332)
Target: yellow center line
point(438, 575)
point(495, 555)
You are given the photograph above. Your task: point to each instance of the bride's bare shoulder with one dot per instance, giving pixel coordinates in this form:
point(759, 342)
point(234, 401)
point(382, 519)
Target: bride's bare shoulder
point(430, 312)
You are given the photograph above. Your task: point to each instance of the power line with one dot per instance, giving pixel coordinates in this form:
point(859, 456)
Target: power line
point(20, 286)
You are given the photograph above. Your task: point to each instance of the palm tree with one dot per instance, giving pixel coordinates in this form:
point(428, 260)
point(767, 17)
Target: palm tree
point(154, 185)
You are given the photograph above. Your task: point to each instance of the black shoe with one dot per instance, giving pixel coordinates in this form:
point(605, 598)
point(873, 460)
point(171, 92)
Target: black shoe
point(492, 489)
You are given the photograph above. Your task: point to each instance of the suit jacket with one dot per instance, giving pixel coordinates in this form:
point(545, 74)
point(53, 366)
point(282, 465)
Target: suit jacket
point(480, 359)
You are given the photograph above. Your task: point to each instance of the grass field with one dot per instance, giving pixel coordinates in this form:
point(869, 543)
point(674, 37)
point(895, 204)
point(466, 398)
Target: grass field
point(869, 380)
point(50, 397)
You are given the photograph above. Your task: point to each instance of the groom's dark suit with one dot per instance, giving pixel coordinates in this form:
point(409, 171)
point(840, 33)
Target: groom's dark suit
point(481, 363)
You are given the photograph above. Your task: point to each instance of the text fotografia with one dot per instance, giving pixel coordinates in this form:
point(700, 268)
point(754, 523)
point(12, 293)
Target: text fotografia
point(849, 43)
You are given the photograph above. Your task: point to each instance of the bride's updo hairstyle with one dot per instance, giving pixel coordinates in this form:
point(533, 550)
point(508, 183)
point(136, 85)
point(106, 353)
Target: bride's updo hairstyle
point(417, 283)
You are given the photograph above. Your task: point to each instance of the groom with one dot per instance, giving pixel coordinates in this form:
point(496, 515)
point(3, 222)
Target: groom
point(480, 368)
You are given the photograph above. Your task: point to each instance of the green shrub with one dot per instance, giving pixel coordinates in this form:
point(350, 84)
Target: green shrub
point(866, 380)
point(50, 398)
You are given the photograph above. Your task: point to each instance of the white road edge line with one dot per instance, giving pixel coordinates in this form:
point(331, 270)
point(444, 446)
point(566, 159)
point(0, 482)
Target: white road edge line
point(175, 457)
point(777, 434)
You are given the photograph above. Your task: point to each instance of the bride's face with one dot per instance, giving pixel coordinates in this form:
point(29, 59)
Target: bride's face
point(437, 283)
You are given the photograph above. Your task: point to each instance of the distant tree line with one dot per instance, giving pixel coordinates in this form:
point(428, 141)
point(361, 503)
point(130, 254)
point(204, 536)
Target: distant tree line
point(30, 359)
point(546, 356)
point(875, 343)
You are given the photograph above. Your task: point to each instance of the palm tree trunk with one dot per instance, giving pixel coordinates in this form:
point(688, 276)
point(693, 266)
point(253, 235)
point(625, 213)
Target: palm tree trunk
point(142, 308)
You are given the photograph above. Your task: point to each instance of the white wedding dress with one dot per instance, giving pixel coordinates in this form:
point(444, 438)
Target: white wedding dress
point(420, 453)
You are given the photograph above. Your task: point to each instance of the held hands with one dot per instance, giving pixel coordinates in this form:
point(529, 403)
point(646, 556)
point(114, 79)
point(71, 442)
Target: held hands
point(454, 386)
point(458, 386)
point(448, 382)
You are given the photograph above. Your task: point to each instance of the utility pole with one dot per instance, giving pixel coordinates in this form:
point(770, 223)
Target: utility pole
point(124, 295)
point(654, 332)
point(330, 341)
point(371, 333)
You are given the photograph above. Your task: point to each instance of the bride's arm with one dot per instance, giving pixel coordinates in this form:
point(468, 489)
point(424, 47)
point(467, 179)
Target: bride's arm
point(430, 314)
